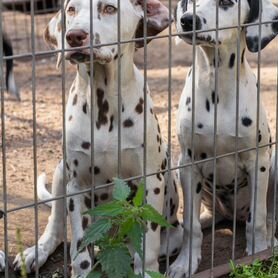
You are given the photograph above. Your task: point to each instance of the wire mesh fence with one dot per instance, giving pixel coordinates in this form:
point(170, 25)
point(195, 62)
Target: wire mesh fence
point(36, 132)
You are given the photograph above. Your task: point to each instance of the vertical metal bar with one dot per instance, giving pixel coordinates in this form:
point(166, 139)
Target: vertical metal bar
point(257, 129)
point(33, 47)
point(92, 111)
point(215, 136)
point(169, 181)
point(274, 215)
point(63, 87)
point(145, 159)
point(236, 128)
point(192, 136)
point(119, 92)
point(3, 139)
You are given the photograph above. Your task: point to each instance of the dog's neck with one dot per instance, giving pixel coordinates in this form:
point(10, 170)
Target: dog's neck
point(206, 60)
point(105, 77)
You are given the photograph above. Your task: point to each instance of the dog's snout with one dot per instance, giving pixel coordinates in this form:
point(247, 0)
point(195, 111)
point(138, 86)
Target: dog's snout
point(187, 22)
point(76, 37)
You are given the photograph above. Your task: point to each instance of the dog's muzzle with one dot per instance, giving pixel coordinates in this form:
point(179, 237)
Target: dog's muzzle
point(102, 56)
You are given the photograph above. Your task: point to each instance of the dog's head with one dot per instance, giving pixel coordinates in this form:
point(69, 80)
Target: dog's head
point(250, 13)
point(102, 20)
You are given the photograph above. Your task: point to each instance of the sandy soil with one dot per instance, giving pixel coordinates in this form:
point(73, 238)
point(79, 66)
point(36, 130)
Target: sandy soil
point(48, 99)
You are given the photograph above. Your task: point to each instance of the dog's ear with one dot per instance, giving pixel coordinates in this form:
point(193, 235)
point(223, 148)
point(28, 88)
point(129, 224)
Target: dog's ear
point(52, 34)
point(158, 19)
point(268, 12)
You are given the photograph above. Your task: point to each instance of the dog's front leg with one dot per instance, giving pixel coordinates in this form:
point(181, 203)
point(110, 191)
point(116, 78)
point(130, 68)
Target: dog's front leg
point(260, 217)
point(2, 261)
point(80, 262)
point(191, 181)
point(53, 234)
point(155, 186)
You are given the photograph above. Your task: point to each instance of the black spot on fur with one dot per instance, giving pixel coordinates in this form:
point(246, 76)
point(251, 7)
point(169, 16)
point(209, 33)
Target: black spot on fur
point(246, 121)
point(158, 176)
point(87, 202)
point(78, 245)
point(111, 123)
point(207, 105)
point(232, 60)
point(263, 169)
point(213, 97)
point(128, 123)
point(84, 264)
point(249, 217)
point(75, 162)
point(199, 188)
point(200, 125)
point(188, 100)
point(86, 145)
point(189, 152)
point(139, 106)
point(85, 222)
point(154, 226)
point(156, 191)
point(84, 108)
point(242, 56)
point(71, 205)
point(96, 170)
point(103, 108)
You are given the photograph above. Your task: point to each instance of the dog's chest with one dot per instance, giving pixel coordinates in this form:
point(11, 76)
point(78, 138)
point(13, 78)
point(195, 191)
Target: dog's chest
point(104, 120)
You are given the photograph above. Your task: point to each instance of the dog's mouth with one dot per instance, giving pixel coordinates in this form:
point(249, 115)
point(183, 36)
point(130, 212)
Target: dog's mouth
point(199, 39)
point(98, 56)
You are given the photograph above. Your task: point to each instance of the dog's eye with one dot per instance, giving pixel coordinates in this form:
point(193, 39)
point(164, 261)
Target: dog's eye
point(71, 10)
point(109, 9)
point(225, 3)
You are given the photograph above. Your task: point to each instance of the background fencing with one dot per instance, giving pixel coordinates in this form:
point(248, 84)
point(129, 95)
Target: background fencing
point(31, 138)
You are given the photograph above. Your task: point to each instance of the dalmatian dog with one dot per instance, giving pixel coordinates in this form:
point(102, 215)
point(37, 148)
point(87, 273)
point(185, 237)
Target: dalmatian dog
point(106, 122)
point(10, 80)
point(200, 177)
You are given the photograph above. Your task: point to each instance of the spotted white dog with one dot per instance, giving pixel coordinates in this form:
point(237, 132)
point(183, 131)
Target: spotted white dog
point(106, 115)
point(203, 147)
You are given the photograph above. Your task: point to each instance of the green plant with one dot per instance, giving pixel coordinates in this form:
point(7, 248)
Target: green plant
point(258, 269)
point(23, 271)
point(118, 231)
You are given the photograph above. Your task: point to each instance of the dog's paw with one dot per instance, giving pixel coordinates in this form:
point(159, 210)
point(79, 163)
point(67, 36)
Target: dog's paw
point(2, 261)
point(30, 261)
point(269, 242)
point(180, 268)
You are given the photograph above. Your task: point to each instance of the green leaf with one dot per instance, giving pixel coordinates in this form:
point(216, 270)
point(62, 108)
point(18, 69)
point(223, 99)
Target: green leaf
point(94, 274)
point(115, 261)
point(126, 226)
point(150, 214)
point(110, 209)
point(138, 200)
point(135, 236)
point(121, 190)
point(155, 274)
point(96, 231)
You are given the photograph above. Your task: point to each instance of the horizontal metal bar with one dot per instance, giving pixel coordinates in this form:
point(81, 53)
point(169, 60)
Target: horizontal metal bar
point(47, 52)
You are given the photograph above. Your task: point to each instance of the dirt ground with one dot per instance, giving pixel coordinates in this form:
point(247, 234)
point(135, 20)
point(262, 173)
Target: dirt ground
point(48, 93)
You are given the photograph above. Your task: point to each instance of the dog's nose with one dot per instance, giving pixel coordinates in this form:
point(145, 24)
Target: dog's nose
point(76, 37)
point(187, 22)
